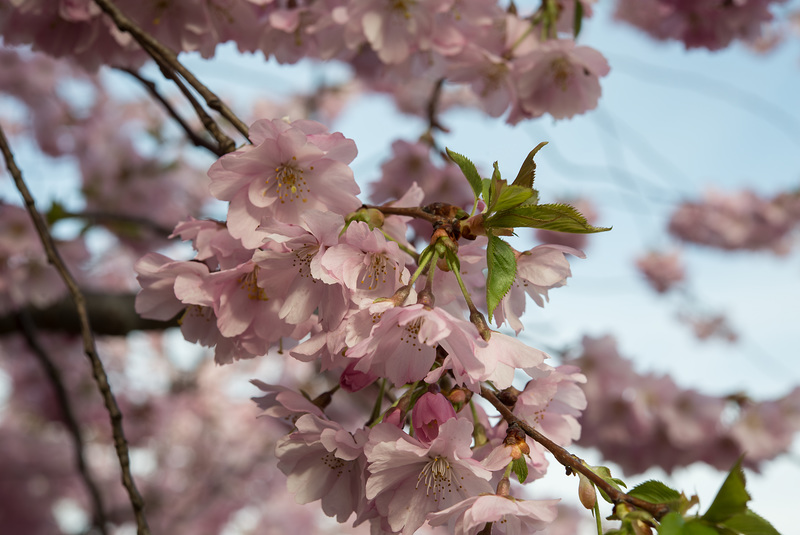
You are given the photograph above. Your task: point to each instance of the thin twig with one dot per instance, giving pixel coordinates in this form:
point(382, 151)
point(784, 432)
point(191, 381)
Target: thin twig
point(196, 139)
point(168, 60)
point(89, 347)
point(573, 462)
point(109, 217)
point(26, 328)
point(415, 212)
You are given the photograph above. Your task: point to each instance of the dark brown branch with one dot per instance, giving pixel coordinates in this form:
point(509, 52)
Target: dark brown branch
point(109, 314)
point(415, 212)
point(573, 462)
point(107, 217)
point(89, 346)
point(168, 61)
point(53, 374)
point(196, 139)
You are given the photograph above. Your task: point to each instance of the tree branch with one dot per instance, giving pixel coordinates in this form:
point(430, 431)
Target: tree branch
point(89, 347)
point(50, 369)
point(194, 137)
point(168, 61)
point(109, 314)
point(573, 462)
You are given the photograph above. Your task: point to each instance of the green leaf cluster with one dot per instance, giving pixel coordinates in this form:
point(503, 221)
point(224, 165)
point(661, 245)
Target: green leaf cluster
point(509, 206)
point(728, 514)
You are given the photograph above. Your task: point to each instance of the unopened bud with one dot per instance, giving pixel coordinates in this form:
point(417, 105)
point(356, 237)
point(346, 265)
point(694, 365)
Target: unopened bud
point(586, 492)
point(375, 218)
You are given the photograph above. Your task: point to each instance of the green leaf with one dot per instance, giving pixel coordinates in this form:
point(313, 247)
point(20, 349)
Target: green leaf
point(486, 186)
point(502, 271)
point(527, 172)
point(749, 523)
point(671, 524)
point(731, 499)
point(520, 467)
point(469, 170)
point(511, 197)
point(495, 185)
point(578, 19)
point(696, 526)
point(559, 217)
point(56, 212)
point(655, 492)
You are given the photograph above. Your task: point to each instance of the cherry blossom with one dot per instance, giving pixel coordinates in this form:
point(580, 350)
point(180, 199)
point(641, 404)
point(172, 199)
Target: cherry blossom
point(408, 479)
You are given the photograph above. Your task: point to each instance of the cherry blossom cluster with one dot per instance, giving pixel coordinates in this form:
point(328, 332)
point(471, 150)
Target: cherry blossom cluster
point(301, 263)
point(674, 426)
point(526, 63)
point(740, 220)
point(699, 23)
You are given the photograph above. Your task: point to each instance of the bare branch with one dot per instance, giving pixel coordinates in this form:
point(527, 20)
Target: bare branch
point(89, 346)
point(109, 314)
point(50, 369)
point(194, 137)
point(168, 61)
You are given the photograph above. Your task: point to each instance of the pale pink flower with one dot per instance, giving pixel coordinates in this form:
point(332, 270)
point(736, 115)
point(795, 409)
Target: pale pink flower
point(662, 270)
point(214, 244)
point(554, 403)
point(365, 263)
point(558, 78)
point(283, 403)
point(393, 30)
point(504, 355)
point(509, 515)
point(292, 270)
point(290, 168)
point(409, 479)
point(698, 23)
point(538, 270)
point(402, 344)
point(324, 462)
point(430, 411)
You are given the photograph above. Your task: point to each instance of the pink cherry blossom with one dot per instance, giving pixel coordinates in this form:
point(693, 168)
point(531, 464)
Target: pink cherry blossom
point(408, 479)
point(559, 78)
point(509, 515)
point(324, 462)
point(290, 168)
point(554, 403)
point(662, 270)
point(538, 270)
point(401, 345)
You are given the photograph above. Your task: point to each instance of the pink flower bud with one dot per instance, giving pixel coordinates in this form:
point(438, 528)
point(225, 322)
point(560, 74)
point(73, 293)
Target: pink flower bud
point(395, 416)
point(430, 411)
point(353, 380)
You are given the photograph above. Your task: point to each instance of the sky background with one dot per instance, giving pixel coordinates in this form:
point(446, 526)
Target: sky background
point(670, 124)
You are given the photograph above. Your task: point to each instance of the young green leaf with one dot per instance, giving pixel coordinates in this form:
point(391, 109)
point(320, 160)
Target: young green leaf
point(469, 170)
point(559, 217)
point(578, 19)
point(520, 467)
point(495, 186)
point(731, 499)
point(502, 271)
point(655, 492)
point(527, 172)
point(511, 197)
point(749, 523)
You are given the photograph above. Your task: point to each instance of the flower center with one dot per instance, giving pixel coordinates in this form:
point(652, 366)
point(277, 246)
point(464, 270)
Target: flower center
point(562, 72)
point(375, 272)
point(302, 260)
point(410, 334)
point(437, 477)
point(249, 283)
point(291, 183)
